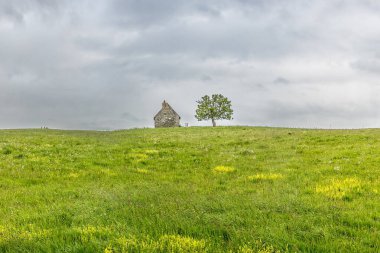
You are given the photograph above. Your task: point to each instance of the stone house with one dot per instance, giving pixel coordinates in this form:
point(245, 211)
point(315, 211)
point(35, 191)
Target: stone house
point(166, 117)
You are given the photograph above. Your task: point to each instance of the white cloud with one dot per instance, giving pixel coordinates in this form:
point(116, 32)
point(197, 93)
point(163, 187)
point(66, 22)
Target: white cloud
point(109, 64)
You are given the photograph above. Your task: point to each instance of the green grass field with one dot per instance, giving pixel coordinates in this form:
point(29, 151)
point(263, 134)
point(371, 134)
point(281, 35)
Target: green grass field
point(224, 189)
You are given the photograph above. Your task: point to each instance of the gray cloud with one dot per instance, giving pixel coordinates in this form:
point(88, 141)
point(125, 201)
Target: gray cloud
point(109, 64)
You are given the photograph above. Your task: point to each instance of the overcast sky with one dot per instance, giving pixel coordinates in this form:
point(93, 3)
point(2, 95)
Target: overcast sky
point(108, 64)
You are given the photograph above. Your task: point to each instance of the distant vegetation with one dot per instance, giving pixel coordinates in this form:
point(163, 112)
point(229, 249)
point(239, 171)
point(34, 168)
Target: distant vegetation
point(226, 189)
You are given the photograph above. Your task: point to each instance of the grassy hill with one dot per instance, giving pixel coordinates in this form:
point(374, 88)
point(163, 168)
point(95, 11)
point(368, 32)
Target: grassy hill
point(224, 189)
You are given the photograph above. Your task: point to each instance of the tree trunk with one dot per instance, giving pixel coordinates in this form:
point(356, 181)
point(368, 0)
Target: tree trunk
point(213, 123)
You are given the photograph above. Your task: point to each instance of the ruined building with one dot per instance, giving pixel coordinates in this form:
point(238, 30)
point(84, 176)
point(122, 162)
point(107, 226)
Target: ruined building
point(166, 117)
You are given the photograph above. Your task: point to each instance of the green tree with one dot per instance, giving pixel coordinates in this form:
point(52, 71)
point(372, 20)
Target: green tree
point(214, 108)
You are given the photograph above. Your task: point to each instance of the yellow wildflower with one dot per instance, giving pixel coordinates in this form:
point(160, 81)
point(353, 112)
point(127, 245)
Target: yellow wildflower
point(267, 176)
point(223, 169)
point(339, 189)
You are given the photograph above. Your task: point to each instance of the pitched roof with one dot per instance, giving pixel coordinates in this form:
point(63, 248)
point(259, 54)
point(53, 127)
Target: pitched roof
point(164, 106)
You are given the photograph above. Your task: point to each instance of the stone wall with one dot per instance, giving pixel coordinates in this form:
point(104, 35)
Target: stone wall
point(167, 117)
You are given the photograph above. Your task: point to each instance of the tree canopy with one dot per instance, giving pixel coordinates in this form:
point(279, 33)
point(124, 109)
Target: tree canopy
point(215, 108)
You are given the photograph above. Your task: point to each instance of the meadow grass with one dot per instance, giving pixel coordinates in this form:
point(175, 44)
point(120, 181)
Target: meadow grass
point(224, 189)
